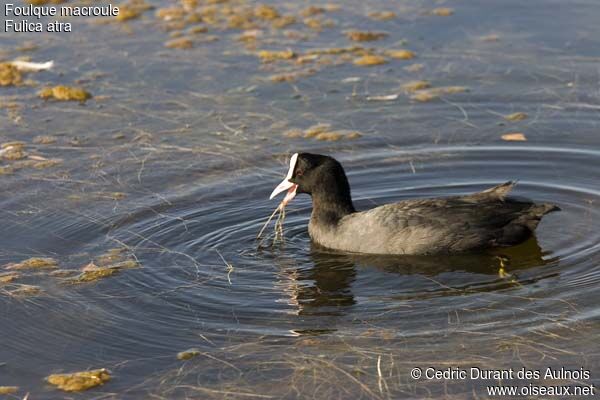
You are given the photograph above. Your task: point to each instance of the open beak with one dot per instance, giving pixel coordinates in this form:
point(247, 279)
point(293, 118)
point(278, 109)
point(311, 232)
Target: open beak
point(286, 184)
point(283, 186)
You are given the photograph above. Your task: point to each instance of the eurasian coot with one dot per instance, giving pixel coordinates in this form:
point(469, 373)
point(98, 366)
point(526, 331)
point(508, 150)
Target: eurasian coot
point(428, 226)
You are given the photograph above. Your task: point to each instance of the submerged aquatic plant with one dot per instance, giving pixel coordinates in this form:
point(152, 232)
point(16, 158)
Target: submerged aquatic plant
point(34, 263)
point(93, 272)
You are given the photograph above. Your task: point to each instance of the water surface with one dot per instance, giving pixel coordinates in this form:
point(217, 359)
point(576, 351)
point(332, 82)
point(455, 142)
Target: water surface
point(173, 161)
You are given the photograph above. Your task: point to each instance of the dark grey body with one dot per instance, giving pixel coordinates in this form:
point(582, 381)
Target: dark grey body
point(433, 226)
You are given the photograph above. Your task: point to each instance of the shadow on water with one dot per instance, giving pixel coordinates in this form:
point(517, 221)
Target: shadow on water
point(326, 287)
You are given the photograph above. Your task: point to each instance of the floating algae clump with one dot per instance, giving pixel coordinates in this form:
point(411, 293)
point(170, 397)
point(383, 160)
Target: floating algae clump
point(424, 96)
point(324, 132)
point(312, 10)
point(316, 130)
point(188, 354)
point(47, 163)
point(92, 273)
point(518, 116)
point(353, 135)
point(291, 77)
point(370, 60)
point(116, 196)
point(400, 54)
point(34, 263)
point(264, 11)
point(334, 136)
point(337, 50)
point(79, 381)
point(442, 11)
point(359, 36)
point(451, 89)
point(181, 43)
point(283, 21)
point(4, 170)
point(293, 133)
point(198, 29)
point(317, 24)
point(44, 139)
point(189, 4)
point(65, 93)
point(171, 13)
point(241, 22)
point(129, 11)
point(8, 277)
point(111, 256)
point(36, 162)
point(329, 136)
point(382, 15)
point(12, 151)
point(8, 389)
point(270, 56)
point(413, 86)
point(9, 75)
point(14, 144)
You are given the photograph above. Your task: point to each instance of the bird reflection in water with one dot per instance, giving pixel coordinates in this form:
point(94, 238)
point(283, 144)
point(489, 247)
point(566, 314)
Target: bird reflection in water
point(326, 287)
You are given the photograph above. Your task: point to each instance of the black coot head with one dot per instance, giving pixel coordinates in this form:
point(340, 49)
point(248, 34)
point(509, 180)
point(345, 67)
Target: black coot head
point(317, 175)
point(315, 172)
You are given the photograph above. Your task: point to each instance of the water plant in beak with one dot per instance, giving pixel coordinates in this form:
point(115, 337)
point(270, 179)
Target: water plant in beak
point(291, 188)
